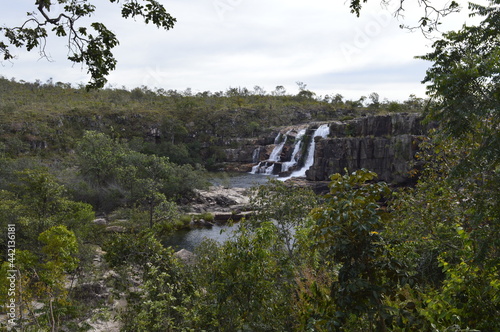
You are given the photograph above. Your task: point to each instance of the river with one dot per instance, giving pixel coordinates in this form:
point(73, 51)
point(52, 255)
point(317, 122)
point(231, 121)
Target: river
point(189, 239)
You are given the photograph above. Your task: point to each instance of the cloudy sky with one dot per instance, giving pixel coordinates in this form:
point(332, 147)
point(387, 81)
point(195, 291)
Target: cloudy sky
point(218, 44)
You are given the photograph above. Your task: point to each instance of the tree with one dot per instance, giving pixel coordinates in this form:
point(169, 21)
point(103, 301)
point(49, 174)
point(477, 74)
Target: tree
point(248, 282)
point(279, 90)
point(39, 202)
point(303, 92)
point(350, 230)
point(465, 81)
point(454, 211)
point(465, 84)
point(375, 100)
point(43, 277)
point(337, 99)
point(91, 46)
point(98, 156)
point(288, 207)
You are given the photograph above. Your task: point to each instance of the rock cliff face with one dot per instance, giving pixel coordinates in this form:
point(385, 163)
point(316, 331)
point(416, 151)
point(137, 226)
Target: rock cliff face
point(383, 144)
point(388, 157)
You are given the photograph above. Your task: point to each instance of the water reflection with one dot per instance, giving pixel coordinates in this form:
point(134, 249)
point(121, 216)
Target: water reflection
point(189, 239)
point(239, 180)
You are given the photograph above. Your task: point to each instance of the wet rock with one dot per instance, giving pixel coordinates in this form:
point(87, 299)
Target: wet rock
point(390, 157)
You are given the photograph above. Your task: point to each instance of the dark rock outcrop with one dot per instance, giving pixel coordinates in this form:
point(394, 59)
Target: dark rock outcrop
point(382, 144)
point(385, 144)
point(389, 157)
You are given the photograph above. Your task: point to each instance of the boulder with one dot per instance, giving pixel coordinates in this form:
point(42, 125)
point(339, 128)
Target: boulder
point(185, 256)
point(100, 221)
point(220, 199)
point(116, 229)
point(223, 217)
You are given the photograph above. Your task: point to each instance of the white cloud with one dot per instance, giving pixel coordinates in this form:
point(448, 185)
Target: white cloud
point(217, 44)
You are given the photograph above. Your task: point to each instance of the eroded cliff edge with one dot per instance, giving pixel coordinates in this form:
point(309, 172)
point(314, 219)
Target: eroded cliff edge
point(382, 144)
point(385, 144)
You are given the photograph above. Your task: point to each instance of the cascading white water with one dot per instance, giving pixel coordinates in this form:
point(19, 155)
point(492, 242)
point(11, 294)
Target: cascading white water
point(266, 167)
point(256, 155)
point(296, 149)
point(275, 154)
point(322, 131)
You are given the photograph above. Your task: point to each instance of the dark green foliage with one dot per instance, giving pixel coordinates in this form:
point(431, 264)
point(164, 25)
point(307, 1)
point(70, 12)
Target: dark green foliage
point(464, 78)
point(350, 228)
point(288, 206)
point(248, 283)
point(36, 202)
point(121, 176)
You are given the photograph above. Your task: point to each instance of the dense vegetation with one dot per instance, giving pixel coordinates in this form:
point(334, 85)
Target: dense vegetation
point(364, 257)
point(50, 117)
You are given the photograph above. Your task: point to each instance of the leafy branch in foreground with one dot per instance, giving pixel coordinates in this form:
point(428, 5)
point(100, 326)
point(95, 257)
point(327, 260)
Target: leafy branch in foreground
point(92, 49)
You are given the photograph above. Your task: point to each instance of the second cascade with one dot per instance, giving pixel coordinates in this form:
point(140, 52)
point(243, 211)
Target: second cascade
point(293, 153)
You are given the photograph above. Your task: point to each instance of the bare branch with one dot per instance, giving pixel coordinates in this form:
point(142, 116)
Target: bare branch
point(432, 16)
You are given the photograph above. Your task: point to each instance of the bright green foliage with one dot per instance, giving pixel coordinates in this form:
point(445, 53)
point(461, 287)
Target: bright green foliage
point(349, 229)
point(60, 247)
point(42, 278)
point(288, 207)
point(470, 295)
point(247, 282)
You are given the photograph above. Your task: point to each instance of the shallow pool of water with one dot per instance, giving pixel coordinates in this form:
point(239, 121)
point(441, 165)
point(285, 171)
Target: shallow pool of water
point(239, 180)
point(189, 239)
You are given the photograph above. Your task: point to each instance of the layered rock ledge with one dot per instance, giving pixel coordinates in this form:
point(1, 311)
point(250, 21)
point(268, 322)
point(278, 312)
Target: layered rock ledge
point(385, 144)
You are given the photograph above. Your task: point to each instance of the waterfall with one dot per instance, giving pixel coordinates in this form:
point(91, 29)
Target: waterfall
point(296, 149)
point(275, 154)
point(267, 166)
point(256, 154)
point(322, 131)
